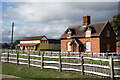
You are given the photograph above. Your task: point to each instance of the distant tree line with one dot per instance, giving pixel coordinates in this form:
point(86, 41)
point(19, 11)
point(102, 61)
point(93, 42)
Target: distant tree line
point(8, 45)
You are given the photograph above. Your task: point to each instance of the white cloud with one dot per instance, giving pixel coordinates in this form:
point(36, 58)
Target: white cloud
point(56, 12)
point(51, 19)
point(60, 0)
point(23, 31)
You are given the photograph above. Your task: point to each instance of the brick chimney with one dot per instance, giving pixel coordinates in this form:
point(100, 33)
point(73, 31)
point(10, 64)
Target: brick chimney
point(86, 20)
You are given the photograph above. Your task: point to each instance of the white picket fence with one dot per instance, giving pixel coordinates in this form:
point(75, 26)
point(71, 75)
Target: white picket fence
point(101, 55)
point(69, 63)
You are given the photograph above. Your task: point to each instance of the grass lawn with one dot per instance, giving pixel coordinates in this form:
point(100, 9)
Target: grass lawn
point(24, 71)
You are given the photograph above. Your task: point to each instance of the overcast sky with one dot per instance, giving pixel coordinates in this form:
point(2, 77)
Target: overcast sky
point(51, 19)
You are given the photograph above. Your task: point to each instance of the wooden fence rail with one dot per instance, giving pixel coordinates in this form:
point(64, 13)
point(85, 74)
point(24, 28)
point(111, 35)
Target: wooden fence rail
point(101, 55)
point(74, 63)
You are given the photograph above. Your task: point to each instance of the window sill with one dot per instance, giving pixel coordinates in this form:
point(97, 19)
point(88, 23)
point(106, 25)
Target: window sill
point(68, 51)
point(88, 51)
point(88, 36)
point(68, 37)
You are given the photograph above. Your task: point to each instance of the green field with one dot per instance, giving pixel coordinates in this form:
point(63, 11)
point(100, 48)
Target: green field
point(24, 71)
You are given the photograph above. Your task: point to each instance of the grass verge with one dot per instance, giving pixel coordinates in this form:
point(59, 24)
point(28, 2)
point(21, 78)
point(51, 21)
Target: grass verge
point(24, 71)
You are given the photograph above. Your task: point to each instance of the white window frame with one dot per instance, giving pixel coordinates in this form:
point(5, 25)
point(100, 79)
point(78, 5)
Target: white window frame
point(108, 47)
point(88, 46)
point(69, 33)
point(108, 33)
point(88, 33)
point(68, 46)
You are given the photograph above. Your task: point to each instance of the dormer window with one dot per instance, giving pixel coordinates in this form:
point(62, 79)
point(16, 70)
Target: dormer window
point(108, 33)
point(88, 33)
point(68, 34)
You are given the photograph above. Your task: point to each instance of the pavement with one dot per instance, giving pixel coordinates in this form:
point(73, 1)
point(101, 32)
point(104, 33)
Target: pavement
point(9, 77)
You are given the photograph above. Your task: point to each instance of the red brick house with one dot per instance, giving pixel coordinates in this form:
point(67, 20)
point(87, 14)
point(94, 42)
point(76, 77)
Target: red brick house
point(118, 47)
point(89, 37)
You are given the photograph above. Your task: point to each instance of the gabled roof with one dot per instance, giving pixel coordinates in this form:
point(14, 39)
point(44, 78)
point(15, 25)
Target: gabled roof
point(87, 27)
point(77, 41)
point(71, 30)
point(79, 30)
point(33, 38)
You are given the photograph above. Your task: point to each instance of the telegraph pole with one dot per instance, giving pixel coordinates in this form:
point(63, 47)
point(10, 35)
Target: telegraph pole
point(12, 35)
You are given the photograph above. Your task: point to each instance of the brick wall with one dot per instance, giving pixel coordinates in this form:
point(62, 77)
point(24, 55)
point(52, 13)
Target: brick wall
point(104, 40)
point(118, 49)
point(95, 47)
point(98, 44)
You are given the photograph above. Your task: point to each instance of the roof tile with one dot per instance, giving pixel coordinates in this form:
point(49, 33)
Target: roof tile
point(79, 30)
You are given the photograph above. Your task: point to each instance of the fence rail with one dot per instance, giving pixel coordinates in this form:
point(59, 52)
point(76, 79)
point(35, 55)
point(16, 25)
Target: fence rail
point(56, 53)
point(82, 64)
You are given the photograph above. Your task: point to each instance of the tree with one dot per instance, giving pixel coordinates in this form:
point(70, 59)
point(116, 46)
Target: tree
point(15, 43)
point(5, 45)
point(115, 23)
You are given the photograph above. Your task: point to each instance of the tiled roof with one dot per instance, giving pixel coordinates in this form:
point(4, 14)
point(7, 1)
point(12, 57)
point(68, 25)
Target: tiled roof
point(29, 44)
point(77, 41)
point(79, 30)
point(55, 41)
point(33, 38)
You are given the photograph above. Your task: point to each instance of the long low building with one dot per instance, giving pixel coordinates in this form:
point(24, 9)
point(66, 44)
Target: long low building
point(39, 43)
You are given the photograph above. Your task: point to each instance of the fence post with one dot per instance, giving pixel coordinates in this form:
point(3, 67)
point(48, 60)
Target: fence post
point(28, 58)
point(16, 50)
point(42, 59)
point(92, 57)
point(34, 52)
point(43, 52)
point(111, 68)
point(18, 58)
point(82, 66)
point(51, 53)
point(107, 55)
point(12, 51)
point(39, 53)
point(0, 56)
point(60, 65)
point(92, 54)
point(79, 54)
point(100, 62)
point(23, 51)
point(8, 57)
point(68, 53)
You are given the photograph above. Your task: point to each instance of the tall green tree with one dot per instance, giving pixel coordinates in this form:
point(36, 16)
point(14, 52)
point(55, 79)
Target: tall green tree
point(115, 23)
point(15, 43)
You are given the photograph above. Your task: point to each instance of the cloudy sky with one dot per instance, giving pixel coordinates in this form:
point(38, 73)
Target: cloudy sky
point(51, 18)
